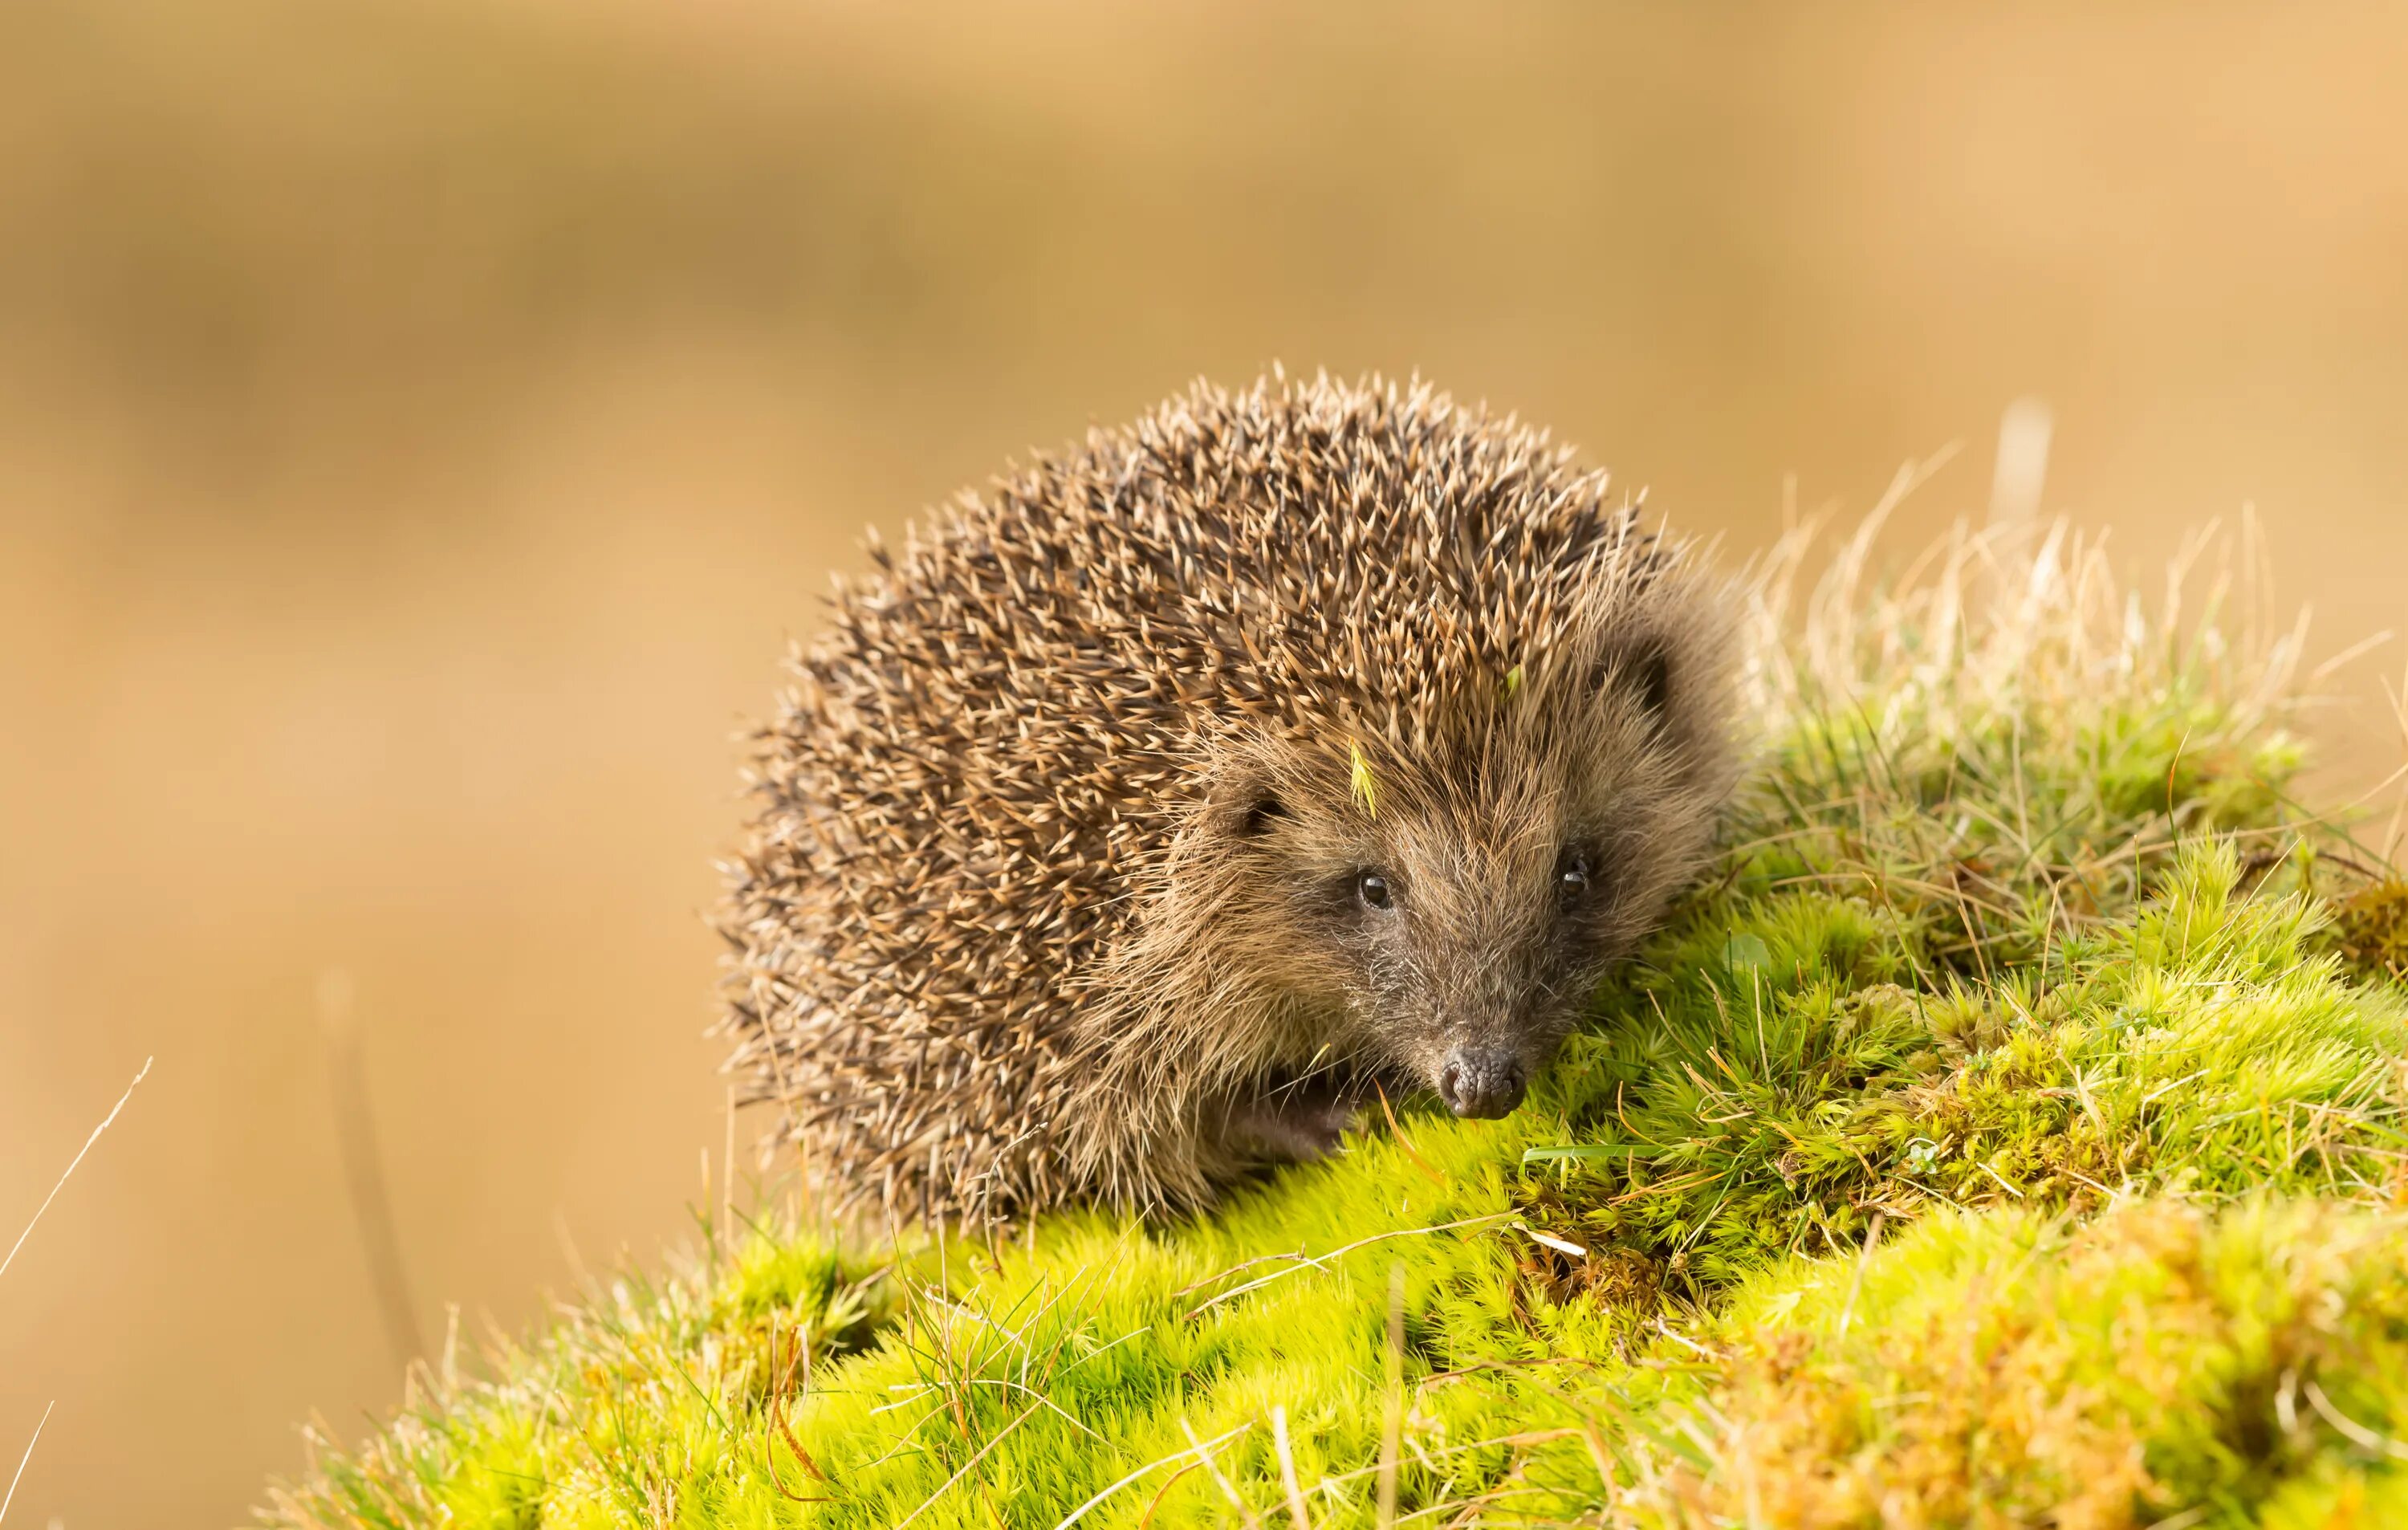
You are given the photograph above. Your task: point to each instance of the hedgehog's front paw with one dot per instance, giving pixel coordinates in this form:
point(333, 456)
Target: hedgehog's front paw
point(1293, 1124)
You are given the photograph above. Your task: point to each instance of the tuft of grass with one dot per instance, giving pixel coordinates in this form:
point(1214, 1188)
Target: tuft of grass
point(2009, 1131)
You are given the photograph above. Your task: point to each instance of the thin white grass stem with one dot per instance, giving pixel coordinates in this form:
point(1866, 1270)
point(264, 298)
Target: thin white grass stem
point(2358, 1434)
point(1039, 1398)
point(1392, 1412)
point(1295, 1509)
point(103, 1125)
point(1212, 1470)
point(2347, 656)
point(21, 1460)
point(1001, 1436)
point(1080, 1513)
point(1318, 1261)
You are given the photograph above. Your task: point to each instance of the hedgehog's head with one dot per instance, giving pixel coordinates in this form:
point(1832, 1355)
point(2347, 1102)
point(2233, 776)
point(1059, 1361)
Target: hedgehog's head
point(1440, 909)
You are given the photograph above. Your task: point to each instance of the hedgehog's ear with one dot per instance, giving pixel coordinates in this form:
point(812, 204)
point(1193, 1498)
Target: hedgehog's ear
point(1244, 807)
point(1259, 814)
point(1252, 812)
point(1640, 669)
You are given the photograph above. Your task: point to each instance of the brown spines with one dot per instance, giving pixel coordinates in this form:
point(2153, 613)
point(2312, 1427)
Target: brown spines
point(966, 807)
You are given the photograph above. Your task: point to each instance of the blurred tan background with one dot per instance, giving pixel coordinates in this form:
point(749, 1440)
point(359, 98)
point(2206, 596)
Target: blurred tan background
point(421, 422)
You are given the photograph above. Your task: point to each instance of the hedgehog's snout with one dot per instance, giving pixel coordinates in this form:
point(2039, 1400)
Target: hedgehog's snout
point(1481, 1082)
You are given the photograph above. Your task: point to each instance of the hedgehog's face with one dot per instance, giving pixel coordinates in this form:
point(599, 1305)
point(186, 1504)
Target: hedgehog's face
point(1452, 920)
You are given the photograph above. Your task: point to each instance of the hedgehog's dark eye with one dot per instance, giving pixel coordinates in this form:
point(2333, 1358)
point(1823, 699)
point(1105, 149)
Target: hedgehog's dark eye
point(1571, 878)
point(1371, 889)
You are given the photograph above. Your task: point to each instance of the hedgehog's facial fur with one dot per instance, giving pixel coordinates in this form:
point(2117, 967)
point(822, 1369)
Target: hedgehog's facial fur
point(1439, 913)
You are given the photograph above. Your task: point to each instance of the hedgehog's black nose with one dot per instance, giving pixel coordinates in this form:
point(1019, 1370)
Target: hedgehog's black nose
point(1480, 1081)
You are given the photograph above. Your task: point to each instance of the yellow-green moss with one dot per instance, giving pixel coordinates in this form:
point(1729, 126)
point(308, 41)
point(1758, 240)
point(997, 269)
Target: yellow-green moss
point(2020, 969)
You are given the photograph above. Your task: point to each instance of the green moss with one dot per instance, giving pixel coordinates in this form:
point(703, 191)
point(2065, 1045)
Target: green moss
point(2020, 969)
point(2197, 1045)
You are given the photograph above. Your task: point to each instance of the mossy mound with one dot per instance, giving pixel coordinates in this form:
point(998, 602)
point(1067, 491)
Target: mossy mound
point(2010, 1134)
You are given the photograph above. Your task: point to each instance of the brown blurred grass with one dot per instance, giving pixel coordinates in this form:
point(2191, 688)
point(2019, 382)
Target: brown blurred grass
point(420, 424)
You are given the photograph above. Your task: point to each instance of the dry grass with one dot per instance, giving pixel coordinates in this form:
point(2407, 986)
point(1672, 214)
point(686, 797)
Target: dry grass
point(108, 1121)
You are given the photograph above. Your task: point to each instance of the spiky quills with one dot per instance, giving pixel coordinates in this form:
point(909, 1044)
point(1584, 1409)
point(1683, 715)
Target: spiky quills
point(966, 960)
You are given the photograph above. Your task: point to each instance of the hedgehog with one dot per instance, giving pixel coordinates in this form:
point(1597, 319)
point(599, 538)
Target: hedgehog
point(1164, 807)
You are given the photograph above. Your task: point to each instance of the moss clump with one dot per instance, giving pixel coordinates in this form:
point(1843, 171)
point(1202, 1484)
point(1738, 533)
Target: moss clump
point(2020, 970)
point(2196, 1046)
point(2010, 1370)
